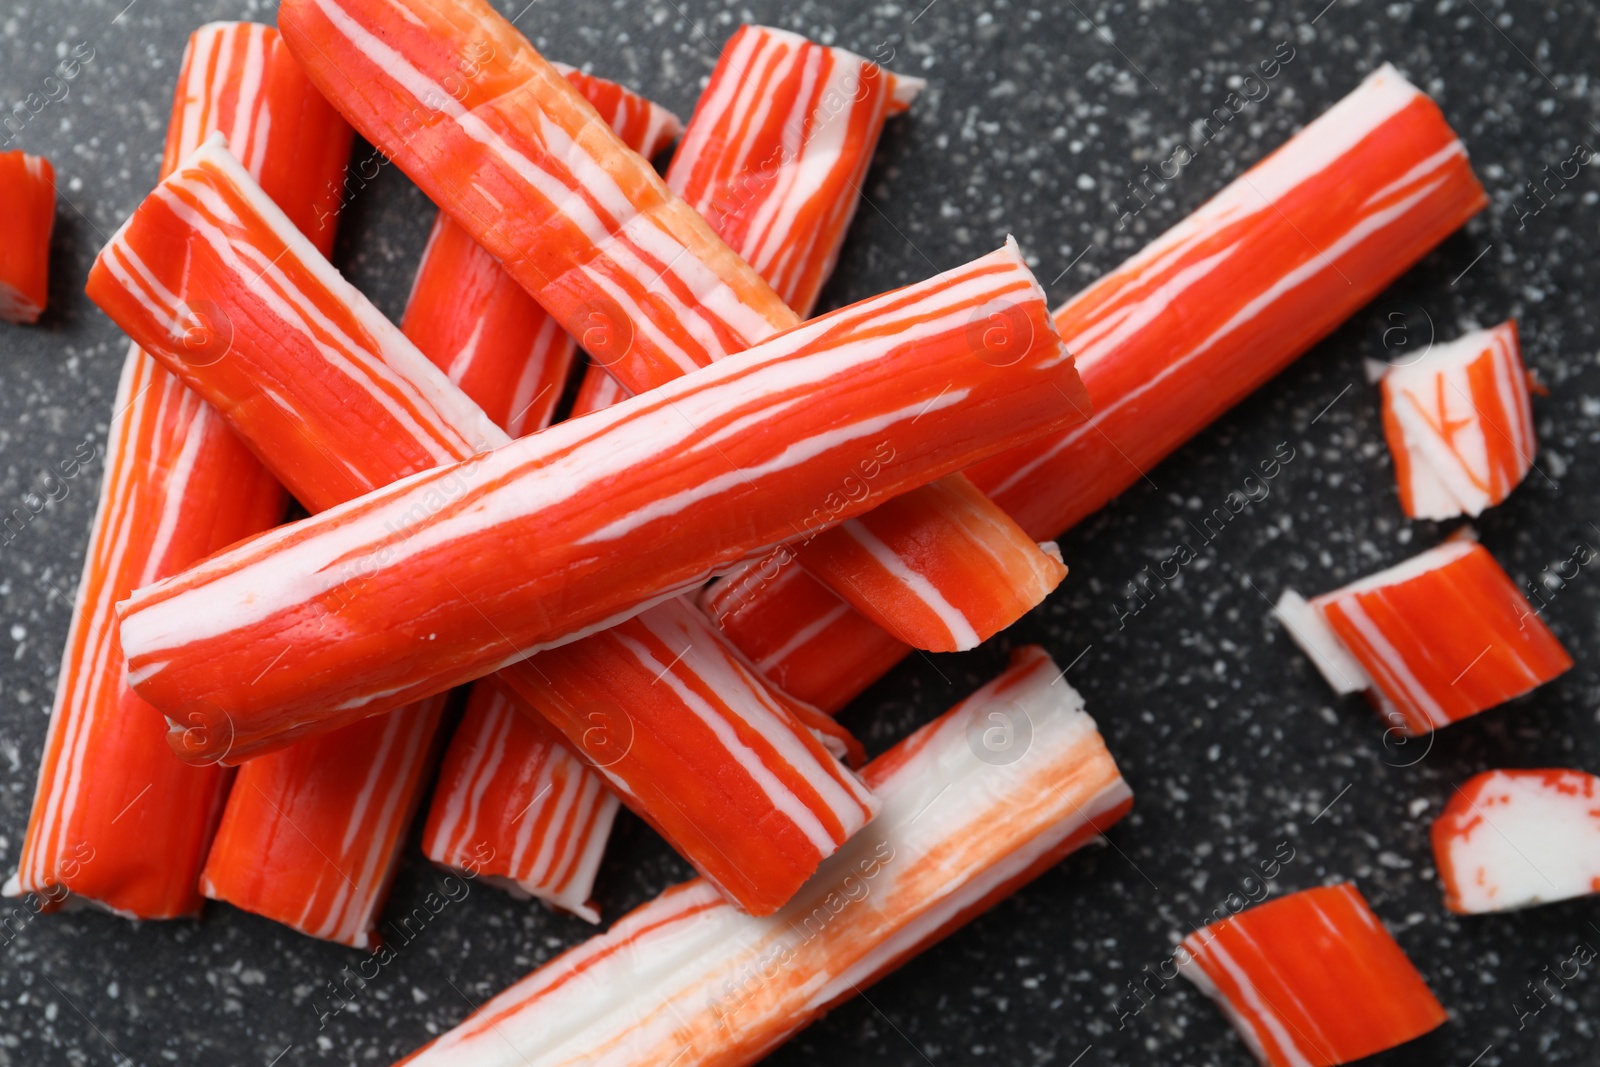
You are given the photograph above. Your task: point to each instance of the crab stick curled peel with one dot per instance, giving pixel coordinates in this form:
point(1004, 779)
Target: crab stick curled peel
point(27, 216)
point(1459, 423)
point(1433, 640)
point(178, 486)
point(315, 368)
point(687, 980)
point(1515, 838)
point(1175, 336)
point(493, 133)
point(1311, 979)
point(483, 329)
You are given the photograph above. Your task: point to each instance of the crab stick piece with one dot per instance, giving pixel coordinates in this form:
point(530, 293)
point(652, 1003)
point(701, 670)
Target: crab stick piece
point(493, 133)
point(1235, 292)
point(1311, 979)
point(516, 805)
point(1459, 423)
point(27, 216)
point(1433, 640)
point(1512, 839)
point(517, 549)
point(178, 486)
point(686, 979)
point(361, 407)
point(483, 329)
point(598, 391)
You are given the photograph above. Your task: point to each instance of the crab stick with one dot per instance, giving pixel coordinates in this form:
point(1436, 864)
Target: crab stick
point(1512, 839)
point(598, 391)
point(27, 216)
point(1459, 423)
point(511, 150)
point(1202, 316)
point(686, 979)
point(178, 486)
point(520, 548)
point(1433, 640)
point(516, 805)
point(357, 406)
point(1231, 295)
point(483, 329)
point(1311, 979)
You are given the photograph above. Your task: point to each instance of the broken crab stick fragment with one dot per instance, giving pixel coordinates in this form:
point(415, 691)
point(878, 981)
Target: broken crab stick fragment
point(318, 851)
point(1232, 294)
point(778, 149)
point(1512, 839)
point(798, 633)
point(178, 486)
point(370, 409)
point(27, 216)
point(452, 92)
point(483, 329)
point(515, 805)
point(1311, 979)
point(687, 980)
point(1459, 423)
point(1433, 640)
point(518, 549)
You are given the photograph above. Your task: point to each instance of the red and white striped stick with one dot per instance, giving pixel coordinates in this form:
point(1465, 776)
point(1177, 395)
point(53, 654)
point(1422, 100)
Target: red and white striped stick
point(27, 217)
point(1183, 330)
point(584, 224)
point(687, 980)
point(178, 486)
point(365, 408)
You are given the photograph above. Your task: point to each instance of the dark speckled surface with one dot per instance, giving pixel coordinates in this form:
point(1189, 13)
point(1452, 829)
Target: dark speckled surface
point(1034, 119)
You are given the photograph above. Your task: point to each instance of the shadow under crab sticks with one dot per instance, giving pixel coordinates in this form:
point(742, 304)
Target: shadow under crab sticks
point(1433, 640)
point(178, 486)
point(687, 980)
point(491, 131)
point(318, 381)
point(27, 217)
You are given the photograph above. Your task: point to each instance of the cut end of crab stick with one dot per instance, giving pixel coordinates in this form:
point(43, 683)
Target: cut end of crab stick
point(311, 846)
point(805, 119)
point(688, 979)
point(27, 216)
point(516, 806)
point(1232, 294)
point(940, 567)
point(1433, 640)
point(1512, 839)
point(798, 633)
point(1459, 423)
point(1311, 979)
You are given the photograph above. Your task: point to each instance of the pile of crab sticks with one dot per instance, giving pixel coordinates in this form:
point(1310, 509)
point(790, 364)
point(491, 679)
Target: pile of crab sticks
point(658, 593)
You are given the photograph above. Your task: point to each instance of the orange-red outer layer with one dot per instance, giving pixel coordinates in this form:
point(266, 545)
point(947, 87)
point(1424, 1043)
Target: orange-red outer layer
point(27, 215)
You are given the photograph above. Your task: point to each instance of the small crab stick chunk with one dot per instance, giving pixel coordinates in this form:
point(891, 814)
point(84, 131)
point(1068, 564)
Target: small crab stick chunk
point(1311, 979)
point(1459, 423)
point(1512, 839)
point(27, 216)
point(1433, 640)
point(687, 980)
point(516, 806)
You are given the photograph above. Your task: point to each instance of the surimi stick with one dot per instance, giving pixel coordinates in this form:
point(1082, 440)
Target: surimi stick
point(514, 804)
point(598, 391)
point(27, 217)
point(1203, 315)
point(348, 404)
point(1433, 640)
point(511, 150)
point(1311, 979)
point(1515, 838)
point(483, 329)
point(510, 550)
point(1459, 422)
point(178, 486)
point(687, 980)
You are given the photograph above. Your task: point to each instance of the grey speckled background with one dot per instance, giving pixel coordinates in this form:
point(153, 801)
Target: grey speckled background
point(1035, 117)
